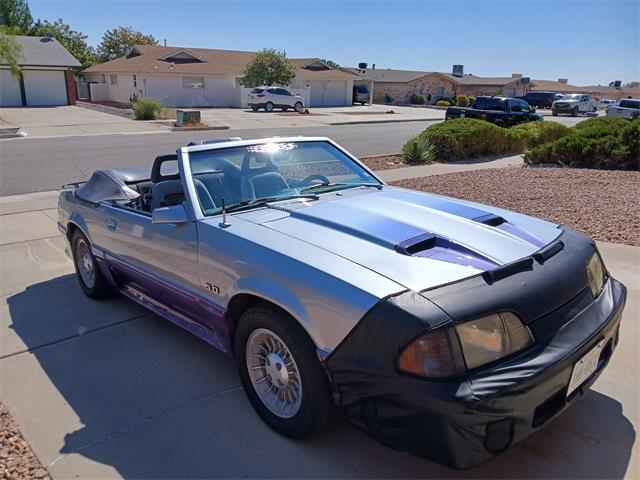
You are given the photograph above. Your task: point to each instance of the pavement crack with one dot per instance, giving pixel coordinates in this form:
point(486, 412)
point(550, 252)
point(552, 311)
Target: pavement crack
point(138, 423)
point(71, 337)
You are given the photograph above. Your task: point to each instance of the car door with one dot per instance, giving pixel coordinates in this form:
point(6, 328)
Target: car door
point(155, 262)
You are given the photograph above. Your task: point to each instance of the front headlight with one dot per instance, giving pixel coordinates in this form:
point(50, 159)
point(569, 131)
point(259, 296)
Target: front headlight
point(596, 274)
point(491, 338)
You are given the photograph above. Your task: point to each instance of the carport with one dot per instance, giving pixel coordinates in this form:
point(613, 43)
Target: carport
point(47, 78)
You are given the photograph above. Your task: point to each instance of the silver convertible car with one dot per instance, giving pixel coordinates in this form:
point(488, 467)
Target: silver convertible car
point(440, 327)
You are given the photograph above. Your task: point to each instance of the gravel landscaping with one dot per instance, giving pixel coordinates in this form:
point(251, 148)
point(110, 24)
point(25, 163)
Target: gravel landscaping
point(17, 460)
point(384, 162)
point(602, 204)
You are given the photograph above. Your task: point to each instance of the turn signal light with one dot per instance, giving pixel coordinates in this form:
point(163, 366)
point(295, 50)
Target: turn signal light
point(431, 355)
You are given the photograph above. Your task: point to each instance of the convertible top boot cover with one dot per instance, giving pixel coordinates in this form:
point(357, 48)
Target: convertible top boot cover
point(463, 420)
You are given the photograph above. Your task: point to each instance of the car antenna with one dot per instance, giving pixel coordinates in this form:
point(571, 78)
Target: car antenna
point(224, 223)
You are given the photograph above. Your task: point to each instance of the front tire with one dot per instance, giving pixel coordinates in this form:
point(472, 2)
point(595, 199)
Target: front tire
point(91, 279)
point(554, 113)
point(280, 372)
point(574, 112)
point(298, 107)
point(268, 107)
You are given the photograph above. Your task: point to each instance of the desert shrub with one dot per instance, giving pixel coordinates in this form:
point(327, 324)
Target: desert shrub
point(463, 138)
point(462, 101)
point(533, 134)
point(605, 144)
point(442, 103)
point(147, 109)
point(602, 123)
point(416, 99)
point(418, 150)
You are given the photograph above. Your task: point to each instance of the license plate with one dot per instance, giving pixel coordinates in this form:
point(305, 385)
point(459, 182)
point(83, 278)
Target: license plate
point(585, 367)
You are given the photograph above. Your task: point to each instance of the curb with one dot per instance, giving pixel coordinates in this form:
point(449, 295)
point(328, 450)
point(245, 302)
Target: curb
point(364, 122)
point(198, 129)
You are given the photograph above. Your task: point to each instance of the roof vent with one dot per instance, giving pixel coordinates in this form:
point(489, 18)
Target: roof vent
point(516, 75)
point(362, 65)
point(458, 70)
point(46, 39)
point(563, 80)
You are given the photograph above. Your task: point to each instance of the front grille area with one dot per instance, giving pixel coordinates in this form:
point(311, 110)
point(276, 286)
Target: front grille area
point(544, 327)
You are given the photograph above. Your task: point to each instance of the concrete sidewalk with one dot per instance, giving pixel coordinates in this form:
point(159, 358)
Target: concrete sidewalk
point(108, 390)
point(72, 121)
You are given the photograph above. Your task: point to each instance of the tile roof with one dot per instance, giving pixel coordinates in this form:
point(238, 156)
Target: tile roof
point(216, 62)
point(43, 52)
point(555, 86)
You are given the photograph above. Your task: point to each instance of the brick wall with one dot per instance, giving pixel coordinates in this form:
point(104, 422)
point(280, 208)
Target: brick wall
point(440, 87)
point(71, 86)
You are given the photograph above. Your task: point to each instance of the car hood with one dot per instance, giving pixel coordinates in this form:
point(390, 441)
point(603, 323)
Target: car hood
point(416, 239)
point(570, 100)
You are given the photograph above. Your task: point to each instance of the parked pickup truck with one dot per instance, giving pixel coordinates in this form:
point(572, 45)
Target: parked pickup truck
point(627, 108)
point(574, 104)
point(501, 111)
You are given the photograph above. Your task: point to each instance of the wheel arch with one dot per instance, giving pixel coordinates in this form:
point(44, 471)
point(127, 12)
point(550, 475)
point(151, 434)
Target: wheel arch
point(245, 299)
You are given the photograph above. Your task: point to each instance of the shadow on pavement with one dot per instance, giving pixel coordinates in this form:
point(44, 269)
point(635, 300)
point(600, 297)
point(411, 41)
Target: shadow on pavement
point(156, 402)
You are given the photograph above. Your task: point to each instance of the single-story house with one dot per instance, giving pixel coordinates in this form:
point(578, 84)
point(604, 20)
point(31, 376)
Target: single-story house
point(47, 75)
point(400, 85)
point(598, 91)
point(203, 77)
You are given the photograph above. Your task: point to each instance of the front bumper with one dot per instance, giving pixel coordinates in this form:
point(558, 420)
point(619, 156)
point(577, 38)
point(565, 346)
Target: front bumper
point(465, 421)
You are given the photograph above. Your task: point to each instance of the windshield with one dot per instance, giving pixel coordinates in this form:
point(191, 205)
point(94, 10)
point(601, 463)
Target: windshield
point(630, 104)
point(246, 176)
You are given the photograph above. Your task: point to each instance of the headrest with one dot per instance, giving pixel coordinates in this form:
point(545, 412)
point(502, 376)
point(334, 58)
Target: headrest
point(156, 171)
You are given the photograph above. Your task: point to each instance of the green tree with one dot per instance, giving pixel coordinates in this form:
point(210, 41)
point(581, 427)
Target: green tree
point(75, 42)
point(117, 42)
point(10, 53)
point(269, 67)
point(331, 63)
point(15, 17)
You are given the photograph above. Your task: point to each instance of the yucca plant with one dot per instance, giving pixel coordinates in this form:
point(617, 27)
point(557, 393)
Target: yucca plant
point(418, 150)
point(147, 109)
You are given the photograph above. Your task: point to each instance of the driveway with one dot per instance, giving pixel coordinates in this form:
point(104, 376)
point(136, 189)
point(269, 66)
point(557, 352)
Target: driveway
point(70, 121)
point(106, 389)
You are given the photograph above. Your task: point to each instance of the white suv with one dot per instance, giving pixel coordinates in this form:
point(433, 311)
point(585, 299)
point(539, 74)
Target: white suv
point(274, 97)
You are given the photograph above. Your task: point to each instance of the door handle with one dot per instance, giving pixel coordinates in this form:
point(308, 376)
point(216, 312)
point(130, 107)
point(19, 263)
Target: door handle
point(112, 224)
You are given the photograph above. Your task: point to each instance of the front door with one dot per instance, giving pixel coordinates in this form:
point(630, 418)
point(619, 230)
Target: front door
point(159, 261)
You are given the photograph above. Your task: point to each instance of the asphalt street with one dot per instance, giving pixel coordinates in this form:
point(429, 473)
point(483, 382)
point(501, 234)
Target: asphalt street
point(43, 164)
point(35, 165)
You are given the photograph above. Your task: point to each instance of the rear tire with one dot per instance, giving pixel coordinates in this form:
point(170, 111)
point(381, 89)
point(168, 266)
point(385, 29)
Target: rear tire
point(268, 107)
point(574, 112)
point(554, 113)
point(280, 372)
point(298, 107)
point(91, 279)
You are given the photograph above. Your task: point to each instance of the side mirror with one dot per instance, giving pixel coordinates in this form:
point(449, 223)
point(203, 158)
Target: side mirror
point(175, 214)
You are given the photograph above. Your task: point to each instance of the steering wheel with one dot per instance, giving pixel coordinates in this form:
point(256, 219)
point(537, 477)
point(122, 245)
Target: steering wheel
point(316, 177)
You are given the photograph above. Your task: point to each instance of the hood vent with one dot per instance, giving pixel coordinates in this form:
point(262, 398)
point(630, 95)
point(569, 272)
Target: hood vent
point(418, 244)
point(490, 219)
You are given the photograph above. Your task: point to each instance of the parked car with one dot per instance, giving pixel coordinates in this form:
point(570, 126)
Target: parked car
point(274, 97)
point(628, 108)
point(605, 103)
point(574, 104)
point(502, 111)
point(441, 327)
point(539, 99)
point(360, 94)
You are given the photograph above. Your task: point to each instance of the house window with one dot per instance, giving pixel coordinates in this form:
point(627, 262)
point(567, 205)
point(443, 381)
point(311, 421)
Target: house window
point(192, 82)
point(135, 81)
point(113, 79)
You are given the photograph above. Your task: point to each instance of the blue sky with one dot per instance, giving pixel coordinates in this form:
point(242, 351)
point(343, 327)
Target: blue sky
point(588, 42)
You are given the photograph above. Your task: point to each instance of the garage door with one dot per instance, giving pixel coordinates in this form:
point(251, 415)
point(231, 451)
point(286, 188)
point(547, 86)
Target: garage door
point(317, 94)
point(45, 87)
point(334, 93)
point(9, 90)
